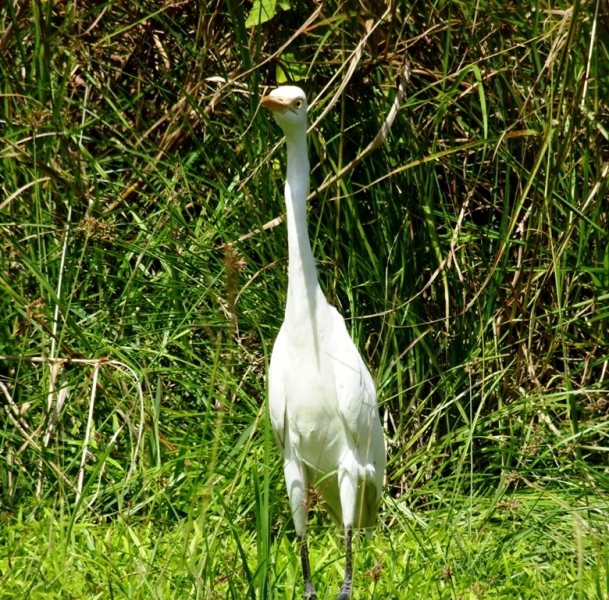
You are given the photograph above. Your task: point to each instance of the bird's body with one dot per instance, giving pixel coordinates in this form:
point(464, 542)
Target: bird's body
point(318, 415)
point(322, 398)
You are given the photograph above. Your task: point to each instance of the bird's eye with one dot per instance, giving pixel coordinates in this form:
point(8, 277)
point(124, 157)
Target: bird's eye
point(298, 104)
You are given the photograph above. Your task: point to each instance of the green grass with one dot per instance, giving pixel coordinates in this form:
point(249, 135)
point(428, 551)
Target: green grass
point(140, 301)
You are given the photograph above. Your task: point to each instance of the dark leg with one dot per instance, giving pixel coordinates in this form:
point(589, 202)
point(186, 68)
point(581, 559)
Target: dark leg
point(309, 590)
point(345, 590)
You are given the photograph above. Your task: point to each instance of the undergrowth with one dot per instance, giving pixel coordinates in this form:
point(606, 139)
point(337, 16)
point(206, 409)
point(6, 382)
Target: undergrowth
point(143, 275)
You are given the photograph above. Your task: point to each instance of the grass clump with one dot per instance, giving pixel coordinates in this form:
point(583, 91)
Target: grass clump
point(142, 280)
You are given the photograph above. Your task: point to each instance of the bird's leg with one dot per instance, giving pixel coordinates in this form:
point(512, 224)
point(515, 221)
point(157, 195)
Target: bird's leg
point(345, 590)
point(296, 482)
point(309, 590)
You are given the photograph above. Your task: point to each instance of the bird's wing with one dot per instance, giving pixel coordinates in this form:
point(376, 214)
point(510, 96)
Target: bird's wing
point(359, 411)
point(277, 395)
point(355, 389)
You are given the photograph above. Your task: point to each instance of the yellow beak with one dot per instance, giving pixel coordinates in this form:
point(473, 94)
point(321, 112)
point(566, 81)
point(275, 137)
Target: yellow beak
point(275, 104)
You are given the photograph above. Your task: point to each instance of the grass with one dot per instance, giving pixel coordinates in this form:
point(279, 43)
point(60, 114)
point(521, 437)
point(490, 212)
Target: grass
point(141, 294)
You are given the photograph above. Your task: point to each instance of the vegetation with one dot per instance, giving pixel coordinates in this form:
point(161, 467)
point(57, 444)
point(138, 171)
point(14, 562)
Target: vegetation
point(142, 279)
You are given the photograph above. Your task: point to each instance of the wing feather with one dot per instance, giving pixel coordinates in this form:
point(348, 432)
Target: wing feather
point(277, 393)
point(356, 395)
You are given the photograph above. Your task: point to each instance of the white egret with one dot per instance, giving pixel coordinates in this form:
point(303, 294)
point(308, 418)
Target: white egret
point(322, 398)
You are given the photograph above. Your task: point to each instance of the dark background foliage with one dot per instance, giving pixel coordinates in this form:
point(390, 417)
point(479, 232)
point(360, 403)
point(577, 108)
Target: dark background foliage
point(469, 253)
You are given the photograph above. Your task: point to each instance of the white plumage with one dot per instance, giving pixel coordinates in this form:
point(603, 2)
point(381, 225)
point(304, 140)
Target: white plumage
point(322, 398)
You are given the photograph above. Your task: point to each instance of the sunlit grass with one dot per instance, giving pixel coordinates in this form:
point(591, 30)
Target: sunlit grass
point(470, 255)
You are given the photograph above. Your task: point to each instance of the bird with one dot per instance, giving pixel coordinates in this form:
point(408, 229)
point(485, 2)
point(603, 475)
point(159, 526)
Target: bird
point(322, 398)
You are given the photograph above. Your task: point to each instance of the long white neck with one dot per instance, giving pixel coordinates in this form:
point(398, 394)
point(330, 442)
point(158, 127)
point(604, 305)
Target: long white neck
point(303, 286)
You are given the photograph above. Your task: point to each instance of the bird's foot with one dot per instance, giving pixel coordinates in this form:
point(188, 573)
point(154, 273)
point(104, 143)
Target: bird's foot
point(345, 593)
point(309, 591)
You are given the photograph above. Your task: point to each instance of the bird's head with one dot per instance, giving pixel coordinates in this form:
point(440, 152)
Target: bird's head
point(288, 104)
